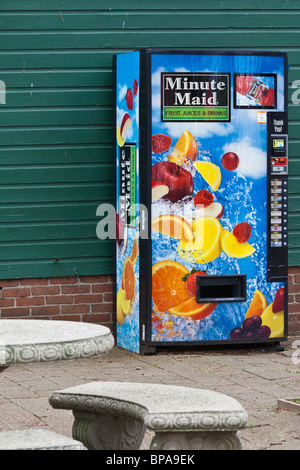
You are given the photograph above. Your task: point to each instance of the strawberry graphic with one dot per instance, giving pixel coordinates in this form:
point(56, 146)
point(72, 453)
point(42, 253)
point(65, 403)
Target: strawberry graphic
point(204, 198)
point(135, 87)
point(129, 99)
point(161, 143)
point(278, 304)
point(191, 281)
point(242, 232)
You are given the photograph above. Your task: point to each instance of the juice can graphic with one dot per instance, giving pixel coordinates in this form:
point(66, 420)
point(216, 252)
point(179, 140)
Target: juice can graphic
point(256, 90)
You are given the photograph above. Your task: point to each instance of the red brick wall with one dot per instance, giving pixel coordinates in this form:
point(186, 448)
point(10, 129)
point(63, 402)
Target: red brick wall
point(61, 299)
point(65, 298)
point(294, 299)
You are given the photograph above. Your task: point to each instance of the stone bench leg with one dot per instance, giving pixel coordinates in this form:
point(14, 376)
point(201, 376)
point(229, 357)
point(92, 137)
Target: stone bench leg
point(214, 440)
point(106, 432)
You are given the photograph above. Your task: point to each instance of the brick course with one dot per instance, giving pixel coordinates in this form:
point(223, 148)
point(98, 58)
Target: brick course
point(66, 298)
point(90, 298)
point(294, 299)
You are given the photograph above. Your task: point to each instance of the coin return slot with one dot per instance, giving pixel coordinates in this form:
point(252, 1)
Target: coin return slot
point(229, 288)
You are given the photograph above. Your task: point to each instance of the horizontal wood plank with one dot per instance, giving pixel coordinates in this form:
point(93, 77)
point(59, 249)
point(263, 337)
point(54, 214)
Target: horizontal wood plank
point(56, 116)
point(153, 38)
point(134, 5)
point(89, 58)
point(51, 231)
point(36, 268)
point(88, 77)
point(30, 174)
point(56, 135)
point(32, 97)
point(124, 20)
point(47, 212)
point(56, 193)
point(64, 249)
point(57, 154)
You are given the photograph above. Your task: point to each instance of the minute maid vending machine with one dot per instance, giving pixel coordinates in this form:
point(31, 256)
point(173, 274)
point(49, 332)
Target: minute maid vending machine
point(202, 198)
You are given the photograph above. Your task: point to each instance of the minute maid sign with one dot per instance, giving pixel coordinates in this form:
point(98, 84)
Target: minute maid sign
point(195, 96)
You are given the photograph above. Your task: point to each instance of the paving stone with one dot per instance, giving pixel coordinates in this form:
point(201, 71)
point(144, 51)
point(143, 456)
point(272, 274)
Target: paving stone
point(15, 417)
point(61, 420)
point(255, 378)
point(38, 384)
point(269, 372)
point(38, 406)
point(17, 391)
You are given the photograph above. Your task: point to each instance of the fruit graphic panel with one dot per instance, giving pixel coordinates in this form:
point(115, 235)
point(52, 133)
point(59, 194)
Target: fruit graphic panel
point(127, 182)
point(209, 195)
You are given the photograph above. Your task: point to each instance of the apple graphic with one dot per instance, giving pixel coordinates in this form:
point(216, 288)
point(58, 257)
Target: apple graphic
point(159, 190)
point(125, 242)
point(120, 230)
point(125, 125)
point(213, 210)
point(179, 181)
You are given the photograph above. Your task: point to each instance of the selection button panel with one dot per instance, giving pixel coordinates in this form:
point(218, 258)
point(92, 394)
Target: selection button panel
point(277, 196)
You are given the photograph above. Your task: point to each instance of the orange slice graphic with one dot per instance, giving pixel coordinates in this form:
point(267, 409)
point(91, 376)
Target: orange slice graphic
point(135, 249)
point(168, 288)
point(187, 144)
point(128, 279)
point(258, 304)
point(173, 226)
point(190, 308)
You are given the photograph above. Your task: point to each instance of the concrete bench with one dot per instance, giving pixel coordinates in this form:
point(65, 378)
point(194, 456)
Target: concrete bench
point(37, 439)
point(114, 416)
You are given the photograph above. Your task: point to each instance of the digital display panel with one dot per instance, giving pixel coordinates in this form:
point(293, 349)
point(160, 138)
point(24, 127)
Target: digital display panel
point(278, 143)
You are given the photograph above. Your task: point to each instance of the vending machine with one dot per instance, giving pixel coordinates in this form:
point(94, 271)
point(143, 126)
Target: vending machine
point(201, 198)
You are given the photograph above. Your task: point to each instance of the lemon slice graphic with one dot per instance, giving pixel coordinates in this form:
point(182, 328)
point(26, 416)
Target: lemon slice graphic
point(210, 172)
point(120, 139)
point(233, 248)
point(275, 321)
point(207, 241)
point(121, 297)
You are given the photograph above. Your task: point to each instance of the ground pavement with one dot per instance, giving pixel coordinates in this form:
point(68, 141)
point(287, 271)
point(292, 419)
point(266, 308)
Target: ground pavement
point(257, 378)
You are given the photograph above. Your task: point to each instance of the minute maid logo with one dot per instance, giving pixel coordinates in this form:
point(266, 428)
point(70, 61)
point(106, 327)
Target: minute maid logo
point(195, 97)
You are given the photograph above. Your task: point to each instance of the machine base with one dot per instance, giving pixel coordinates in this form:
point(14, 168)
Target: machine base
point(272, 346)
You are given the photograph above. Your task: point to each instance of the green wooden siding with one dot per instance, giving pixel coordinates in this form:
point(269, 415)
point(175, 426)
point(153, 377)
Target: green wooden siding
point(56, 137)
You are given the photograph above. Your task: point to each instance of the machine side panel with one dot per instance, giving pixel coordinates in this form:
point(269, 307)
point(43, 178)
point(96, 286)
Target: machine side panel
point(127, 200)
